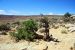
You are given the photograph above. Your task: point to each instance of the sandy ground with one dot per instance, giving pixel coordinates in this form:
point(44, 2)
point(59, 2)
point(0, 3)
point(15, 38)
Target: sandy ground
point(66, 41)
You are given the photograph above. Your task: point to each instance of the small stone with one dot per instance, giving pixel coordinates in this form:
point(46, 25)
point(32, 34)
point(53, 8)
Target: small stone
point(24, 49)
point(71, 48)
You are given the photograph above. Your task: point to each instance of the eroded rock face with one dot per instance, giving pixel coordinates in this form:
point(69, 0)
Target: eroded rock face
point(71, 27)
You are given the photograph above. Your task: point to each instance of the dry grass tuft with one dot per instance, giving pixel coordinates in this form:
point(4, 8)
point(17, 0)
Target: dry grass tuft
point(64, 31)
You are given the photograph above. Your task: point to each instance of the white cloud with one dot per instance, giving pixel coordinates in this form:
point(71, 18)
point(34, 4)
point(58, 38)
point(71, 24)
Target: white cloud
point(59, 14)
point(14, 12)
point(50, 13)
point(54, 14)
point(2, 12)
point(11, 12)
point(47, 13)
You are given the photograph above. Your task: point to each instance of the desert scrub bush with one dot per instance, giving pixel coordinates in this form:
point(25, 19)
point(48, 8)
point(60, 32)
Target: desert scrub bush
point(18, 34)
point(67, 17)
point(17, 23)
point(55, 27)
point(27, 31)
point(30, 25)
point(53, 20)
point(4, 27)
point(62, 25)
point(3, 33)
point(64, 31)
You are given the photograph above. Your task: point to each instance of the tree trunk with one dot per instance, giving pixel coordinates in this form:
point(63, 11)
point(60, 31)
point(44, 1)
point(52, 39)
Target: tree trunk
point(46, 35)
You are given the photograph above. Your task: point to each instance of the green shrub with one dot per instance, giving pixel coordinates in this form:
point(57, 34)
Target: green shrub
point(30, 25)
point(67, 17)
point(4, 27)
point(27, 31)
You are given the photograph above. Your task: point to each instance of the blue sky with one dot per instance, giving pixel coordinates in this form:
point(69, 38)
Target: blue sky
point(34, 7)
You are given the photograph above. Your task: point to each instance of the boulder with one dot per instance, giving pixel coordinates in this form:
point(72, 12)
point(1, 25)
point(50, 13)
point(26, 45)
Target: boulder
point(71, 29)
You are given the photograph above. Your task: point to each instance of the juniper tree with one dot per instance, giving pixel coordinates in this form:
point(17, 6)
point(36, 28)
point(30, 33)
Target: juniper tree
point(67, 17)
point(45, 23)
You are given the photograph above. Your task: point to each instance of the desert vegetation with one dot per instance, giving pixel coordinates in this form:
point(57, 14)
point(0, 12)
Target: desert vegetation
point(27, 31)
point(64, 31)
point(46, 31)
point(4, 27)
